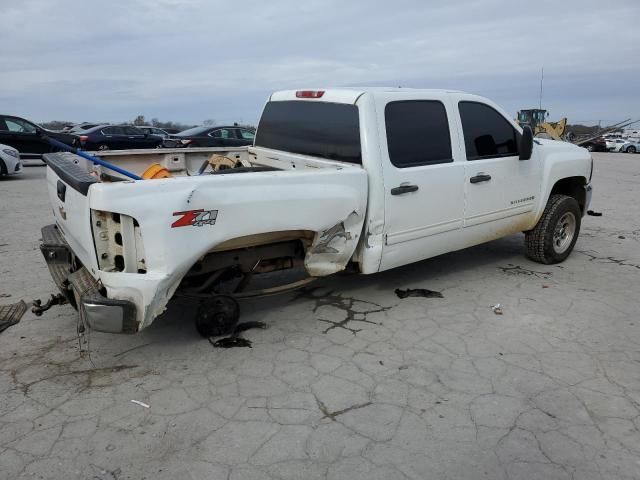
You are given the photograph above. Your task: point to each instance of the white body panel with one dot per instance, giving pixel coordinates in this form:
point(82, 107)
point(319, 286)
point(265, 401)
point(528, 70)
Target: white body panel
point(381, 231)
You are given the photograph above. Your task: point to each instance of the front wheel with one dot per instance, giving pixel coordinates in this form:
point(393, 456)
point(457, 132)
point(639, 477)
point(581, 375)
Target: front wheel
point(631, 149)
point(553, 238)
point(590, 147)
point(103, 146)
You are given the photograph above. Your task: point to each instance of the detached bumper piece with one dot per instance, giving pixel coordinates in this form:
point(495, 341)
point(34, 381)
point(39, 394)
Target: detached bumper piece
point(98, 312)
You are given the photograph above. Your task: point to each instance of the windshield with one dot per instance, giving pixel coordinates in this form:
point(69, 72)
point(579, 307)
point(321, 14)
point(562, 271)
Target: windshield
point(191, 132)
point(318, 129)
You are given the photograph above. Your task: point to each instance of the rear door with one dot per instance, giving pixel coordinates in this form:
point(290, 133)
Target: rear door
point(225, 137)
point(501, 190)
point(423, 177)
point(136, 138)
point(110, 136)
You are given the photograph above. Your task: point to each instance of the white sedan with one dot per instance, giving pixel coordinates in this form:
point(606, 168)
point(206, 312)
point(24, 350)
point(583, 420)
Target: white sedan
point(613, 144)
point(10, 163)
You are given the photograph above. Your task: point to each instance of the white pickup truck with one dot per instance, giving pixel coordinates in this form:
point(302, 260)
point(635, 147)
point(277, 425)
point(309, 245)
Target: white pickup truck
point(369, 179)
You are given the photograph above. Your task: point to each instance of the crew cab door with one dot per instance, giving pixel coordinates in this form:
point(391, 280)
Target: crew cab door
point(501, 190)
point(423, 177)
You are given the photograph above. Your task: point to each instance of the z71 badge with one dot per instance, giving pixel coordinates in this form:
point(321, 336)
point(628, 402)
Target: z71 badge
point(195, 218)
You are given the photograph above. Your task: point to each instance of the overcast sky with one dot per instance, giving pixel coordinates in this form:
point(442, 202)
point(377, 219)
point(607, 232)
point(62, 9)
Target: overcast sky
point(191, 60)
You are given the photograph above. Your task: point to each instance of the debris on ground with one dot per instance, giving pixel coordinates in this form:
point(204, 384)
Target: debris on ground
point(497, 309)
point(5, 295)
point(594, 214)
point(142, 404)
point(11, 314)
point(512, 269)
point(418, 292)
point(621, 237)
point(38, 308)
point(234, 340)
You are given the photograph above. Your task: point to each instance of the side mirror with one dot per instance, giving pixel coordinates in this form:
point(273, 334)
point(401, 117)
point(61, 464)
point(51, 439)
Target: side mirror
point(526, 143)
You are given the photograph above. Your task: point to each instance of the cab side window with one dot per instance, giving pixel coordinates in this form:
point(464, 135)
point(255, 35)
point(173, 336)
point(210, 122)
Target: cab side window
point(417, 133)
point(487, 134)
point(247, 134)
point(20, 126)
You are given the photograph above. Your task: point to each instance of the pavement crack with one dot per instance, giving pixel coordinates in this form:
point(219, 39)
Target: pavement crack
point(332, 415)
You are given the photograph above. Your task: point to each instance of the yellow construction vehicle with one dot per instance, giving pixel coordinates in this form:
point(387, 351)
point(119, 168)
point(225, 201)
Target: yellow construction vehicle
point(536, 119)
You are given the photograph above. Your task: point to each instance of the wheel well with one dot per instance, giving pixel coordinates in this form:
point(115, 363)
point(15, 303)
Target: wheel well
point(572, 187)
point(3, 168)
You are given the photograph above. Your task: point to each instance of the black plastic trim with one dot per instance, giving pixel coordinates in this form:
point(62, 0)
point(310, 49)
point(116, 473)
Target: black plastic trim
point(70, 173)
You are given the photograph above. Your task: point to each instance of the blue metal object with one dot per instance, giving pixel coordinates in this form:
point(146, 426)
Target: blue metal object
point(91, 158)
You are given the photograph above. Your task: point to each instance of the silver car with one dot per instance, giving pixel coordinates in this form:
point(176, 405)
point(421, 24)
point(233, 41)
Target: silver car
point(10, 163)
point(629, 146)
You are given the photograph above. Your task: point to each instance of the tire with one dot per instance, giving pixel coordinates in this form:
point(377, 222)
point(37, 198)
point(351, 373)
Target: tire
point(590, 147)
point(217, 316)
point(631, 149)
point(103, 147)
point(553, 238)
point(3, 168)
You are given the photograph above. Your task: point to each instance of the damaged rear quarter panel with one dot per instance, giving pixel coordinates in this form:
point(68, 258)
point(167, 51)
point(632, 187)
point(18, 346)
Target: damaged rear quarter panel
point(329, 201)
point(332, 248)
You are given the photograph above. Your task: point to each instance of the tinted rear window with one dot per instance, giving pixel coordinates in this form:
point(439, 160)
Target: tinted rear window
point(318, 129)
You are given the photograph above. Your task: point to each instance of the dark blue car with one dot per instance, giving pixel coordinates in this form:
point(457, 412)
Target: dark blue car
point(116, 137)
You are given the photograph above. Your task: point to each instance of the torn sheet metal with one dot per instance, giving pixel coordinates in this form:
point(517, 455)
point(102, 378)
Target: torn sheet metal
point(332, 248)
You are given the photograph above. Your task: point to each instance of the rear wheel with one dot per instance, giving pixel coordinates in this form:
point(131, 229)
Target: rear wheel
point(217, 316)
point(103, 146)
point(590, 147)
point(553, 238)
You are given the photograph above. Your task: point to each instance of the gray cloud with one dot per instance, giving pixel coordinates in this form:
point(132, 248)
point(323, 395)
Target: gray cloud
point(190, 60)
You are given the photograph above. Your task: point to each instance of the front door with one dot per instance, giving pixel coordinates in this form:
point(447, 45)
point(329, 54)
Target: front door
point(501, 190)
point(423, 178)
point(23, 136)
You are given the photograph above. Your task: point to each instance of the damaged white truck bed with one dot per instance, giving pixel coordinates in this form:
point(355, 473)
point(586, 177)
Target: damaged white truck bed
point(369, 178)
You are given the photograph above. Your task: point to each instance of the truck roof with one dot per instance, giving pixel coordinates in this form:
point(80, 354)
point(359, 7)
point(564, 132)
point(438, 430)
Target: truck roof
point(351, 94)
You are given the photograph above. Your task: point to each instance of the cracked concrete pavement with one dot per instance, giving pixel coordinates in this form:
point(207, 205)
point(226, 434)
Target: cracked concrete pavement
point(348, 381)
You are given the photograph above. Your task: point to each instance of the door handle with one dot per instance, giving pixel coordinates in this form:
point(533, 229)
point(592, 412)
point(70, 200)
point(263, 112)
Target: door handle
point(402, 189)
point(481, 177)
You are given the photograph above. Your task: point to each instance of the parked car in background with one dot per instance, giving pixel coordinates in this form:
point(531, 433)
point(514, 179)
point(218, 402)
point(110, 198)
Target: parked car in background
point(596, 145)
point(154, 131)
point(81, 127)
point(614, 144)
point(10, 163)
point(23, 135)
point(630, 146)
point(221, 136)
point(116, 137)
